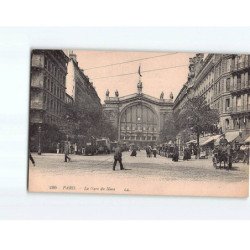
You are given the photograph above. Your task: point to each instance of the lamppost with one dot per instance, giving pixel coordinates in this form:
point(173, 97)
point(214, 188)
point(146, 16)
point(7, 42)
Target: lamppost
point(39, 152)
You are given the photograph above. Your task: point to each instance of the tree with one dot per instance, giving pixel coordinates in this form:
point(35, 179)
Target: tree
point(198, 116)
point(86, 122)
point(169, 130)
point(50, 136)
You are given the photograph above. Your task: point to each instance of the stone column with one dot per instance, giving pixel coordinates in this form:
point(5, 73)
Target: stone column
point(246, 79)
point(245, 102)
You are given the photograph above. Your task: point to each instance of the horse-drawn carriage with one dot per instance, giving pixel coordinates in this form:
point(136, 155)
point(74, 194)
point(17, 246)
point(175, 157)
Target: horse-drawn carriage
point(222, 154)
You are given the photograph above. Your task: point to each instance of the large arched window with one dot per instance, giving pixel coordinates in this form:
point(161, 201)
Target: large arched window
point(138, 122)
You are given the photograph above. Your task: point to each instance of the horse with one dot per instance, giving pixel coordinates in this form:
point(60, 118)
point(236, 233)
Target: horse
point(223, 157)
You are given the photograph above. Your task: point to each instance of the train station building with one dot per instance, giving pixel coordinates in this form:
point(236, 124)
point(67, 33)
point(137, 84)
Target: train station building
point(138, 117)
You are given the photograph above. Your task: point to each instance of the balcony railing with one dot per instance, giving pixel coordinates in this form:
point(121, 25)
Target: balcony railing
point(241, 109)
point(241, 86)
point(241, 65)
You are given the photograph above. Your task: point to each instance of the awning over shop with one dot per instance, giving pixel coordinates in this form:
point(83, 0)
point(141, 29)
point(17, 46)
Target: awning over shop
point(241, 139)
point(210, 139)
point(230, 136)
point(248, 139)
point(203, 139)
point(192, 141)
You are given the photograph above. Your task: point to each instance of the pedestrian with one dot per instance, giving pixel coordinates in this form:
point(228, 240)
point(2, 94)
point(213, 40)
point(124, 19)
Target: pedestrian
point(186, 154)
point(149, 151)
point(71, 148)
point(175, 153)
point(223, 141)
point(229, 156)
point(58, 148)
point(195, 150)
point(32, 159)
point(75, 148)
point(154, 151)
point(66, 151)
point(133, 153)
point(189, 153)
point(83, 151)
point(246, 154)
point(118, 158)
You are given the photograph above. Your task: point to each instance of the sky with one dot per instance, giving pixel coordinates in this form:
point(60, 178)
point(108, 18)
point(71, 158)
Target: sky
point(154, 82)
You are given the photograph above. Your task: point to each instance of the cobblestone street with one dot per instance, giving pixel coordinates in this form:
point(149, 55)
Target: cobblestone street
point(142, 175)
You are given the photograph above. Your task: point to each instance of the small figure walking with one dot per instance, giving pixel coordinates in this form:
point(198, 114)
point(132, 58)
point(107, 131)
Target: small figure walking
point(148, 151)
point(154, 150)
point(133, 153)
point(175, 153)
point(186, 153)
point(58, 148)
point(66, 151)
point(75, 148)
point(118, 157)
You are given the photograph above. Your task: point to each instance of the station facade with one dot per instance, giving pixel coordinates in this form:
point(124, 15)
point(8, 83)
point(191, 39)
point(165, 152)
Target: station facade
point(138, 117)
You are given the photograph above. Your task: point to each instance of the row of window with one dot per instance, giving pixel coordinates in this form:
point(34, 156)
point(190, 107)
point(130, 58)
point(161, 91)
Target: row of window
point(243, 81)
point(240, 61)
point(238, 123)
point(140, 128)
point(53, 87)
point(50, 119)
point(206, 83)
point(240, 104)
point(52, 105)
point(226, 65)
point(139, 138)
point(223, 67)
point(54, 70)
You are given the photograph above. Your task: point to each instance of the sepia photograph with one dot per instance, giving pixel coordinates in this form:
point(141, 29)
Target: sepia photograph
point(139, 123)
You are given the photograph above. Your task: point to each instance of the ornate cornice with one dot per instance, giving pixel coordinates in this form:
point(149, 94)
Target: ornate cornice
point(139, 97)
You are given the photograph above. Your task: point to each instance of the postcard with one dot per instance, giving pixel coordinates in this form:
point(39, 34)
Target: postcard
point(139, 123)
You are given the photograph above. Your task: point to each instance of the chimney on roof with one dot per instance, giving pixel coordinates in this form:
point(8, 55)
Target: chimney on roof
point(72, 55)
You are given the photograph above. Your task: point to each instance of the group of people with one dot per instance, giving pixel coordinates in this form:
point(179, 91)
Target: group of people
point(72, 148)
point(223, 152)
point(151, 151)
point(228, 153)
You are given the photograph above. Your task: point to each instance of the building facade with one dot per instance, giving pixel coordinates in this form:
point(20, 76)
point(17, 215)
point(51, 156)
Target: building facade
point(80, 88)
point(223, 79)
point(47, 86)
point(47, 96)
point(138, 117)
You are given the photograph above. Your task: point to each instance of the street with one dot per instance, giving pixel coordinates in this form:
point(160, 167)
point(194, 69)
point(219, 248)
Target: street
point(142, 175)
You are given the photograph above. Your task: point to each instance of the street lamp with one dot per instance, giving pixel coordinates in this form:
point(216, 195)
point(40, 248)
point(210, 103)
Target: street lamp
point(39, 140)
